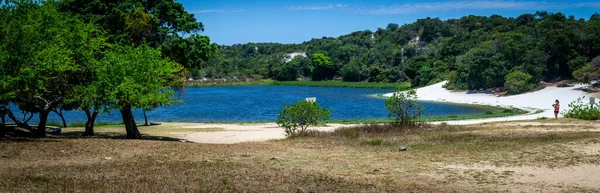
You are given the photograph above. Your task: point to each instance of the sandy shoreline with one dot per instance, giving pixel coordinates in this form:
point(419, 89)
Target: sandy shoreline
point(534, 101)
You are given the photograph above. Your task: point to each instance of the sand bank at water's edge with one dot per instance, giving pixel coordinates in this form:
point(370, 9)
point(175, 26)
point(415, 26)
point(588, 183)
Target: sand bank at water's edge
point(533, 101)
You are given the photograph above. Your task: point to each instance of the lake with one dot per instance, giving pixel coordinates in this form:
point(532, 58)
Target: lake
point(260, 103)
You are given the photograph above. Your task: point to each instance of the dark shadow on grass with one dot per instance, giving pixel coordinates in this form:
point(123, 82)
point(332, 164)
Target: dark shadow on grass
point(21, 135)
point(110, 135)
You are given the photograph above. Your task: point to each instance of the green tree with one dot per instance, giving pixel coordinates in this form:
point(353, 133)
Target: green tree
point(487, 68)
point(351, 72)
point(403, 107)
point(134, 22)
point(190, 52)
point(286, 71)
point(323, 67)
point(296, 118)
point(92, 96)
point(46, 48)
point(138, 78)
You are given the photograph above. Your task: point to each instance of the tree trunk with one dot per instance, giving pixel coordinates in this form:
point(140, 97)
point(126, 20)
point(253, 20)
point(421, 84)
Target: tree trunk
point(3, 125)
point(129, 121)
point(62, 117)
point(41, 128)
point(3, 116)
point(145, 118)
point(19, 123)
point(89, 124)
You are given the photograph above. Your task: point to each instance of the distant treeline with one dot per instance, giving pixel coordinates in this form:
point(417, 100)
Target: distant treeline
point(471, 52)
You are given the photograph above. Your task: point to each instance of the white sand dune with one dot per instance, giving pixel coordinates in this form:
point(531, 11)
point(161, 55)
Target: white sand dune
point(533, 101)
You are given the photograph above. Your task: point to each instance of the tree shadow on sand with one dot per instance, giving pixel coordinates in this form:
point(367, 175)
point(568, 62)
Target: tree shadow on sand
point(22, 135)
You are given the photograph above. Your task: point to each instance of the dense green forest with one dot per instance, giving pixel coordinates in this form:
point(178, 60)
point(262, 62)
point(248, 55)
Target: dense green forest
point(472, 52)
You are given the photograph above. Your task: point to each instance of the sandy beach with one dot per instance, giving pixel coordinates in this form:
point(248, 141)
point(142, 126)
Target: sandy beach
point(532, 102)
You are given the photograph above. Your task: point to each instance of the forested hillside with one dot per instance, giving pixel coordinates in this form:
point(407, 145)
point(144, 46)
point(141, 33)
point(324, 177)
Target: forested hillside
point(471, 52)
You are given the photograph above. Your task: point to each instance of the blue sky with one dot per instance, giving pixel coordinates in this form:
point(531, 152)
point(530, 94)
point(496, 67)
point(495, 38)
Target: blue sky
point(290, 21)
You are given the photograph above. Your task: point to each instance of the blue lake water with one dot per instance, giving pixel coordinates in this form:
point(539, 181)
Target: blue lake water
point(260, 103)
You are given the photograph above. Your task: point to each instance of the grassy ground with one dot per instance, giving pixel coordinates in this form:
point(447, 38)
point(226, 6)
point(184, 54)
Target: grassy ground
point(360, 159)
point(239, 83)
point(492, 112)
point(329, 83)
point(332, 83)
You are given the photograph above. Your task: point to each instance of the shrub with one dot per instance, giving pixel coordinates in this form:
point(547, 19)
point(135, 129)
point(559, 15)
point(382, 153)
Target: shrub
point(518, 82)
point(585, 74)
point(508, 111)
point(374, 142)
point(403, 107)
point(349, 133)
point(297, 117)
point(581, 110)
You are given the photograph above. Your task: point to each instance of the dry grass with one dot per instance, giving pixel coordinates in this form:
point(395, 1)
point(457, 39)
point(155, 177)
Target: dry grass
point(340, 161)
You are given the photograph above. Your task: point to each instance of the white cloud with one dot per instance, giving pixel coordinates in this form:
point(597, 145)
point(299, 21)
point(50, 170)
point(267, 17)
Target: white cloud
point(316, 8)
point(410, 8)
point(588, 4)
point(217, 11)
point(420, 7)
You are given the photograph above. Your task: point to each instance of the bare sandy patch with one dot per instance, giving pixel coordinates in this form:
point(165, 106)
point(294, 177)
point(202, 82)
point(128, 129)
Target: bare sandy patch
point(589, 149)
point(238, 133)
point(535, 124)
point(585, 175)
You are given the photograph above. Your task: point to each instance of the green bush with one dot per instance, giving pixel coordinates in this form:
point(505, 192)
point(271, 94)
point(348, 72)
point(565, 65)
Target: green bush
point(585, 74)
point(349, 133)
point(297, 117)
point(519, 82)
point(374, 142)
point(403, 107)
point(581, 110)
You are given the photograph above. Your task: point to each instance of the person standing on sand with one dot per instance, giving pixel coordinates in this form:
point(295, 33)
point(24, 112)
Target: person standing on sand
point(556, 106)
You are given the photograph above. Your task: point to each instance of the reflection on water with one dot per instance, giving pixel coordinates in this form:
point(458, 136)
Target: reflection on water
point(260, 103)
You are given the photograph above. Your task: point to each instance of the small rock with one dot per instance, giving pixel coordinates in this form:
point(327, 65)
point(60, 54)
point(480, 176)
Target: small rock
point(107, 158)
point(53, 130)
point(402, 148)
point(62, 151)
point(4, 156)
